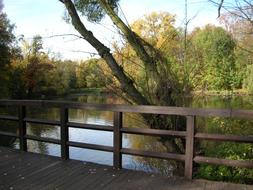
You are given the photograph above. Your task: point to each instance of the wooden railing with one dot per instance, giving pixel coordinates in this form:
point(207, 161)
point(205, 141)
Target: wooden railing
point(190, 134)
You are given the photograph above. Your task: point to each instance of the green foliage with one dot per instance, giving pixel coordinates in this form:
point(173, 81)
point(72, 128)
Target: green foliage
point(63, 77)
point(37, 45)
point(7, 50)
point(226, 150)
point(248, 81)
point(90, 75)
point(38, 75)
point(6, 39)
point(17, 88)
point(92, 10)
point(217, 52)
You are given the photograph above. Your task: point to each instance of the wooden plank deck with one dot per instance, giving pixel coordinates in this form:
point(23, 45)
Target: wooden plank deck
point(29, 171)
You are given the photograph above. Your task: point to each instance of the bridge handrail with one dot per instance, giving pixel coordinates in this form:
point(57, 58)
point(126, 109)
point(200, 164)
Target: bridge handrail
point(118, 129)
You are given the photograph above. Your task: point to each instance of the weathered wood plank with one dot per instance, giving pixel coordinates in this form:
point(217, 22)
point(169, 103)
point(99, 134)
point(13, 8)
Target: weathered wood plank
point(47, 173)
point(189, 148)
point(85, 178)
point(225, 162)
point(161, 155)
point(110, 176)
point(90, 126)
point(42, 139)
point(135, 109)
point(90, 146)
point(9, 134)
point(68, 170)
point(22, 127)
point(42, 121)
point(8, 118)
point(64, 133)
point(117, 140)
point(218, 137)
point(153, 132)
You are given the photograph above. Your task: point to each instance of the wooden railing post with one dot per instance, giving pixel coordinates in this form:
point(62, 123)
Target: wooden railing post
point(189, 150)
point(117, 140)
point(64, 133)
point(22, 127)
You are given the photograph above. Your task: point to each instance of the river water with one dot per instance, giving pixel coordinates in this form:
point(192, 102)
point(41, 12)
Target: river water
point(210, 125)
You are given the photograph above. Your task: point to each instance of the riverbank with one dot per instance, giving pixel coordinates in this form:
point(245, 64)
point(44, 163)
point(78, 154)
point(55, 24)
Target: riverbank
point(239, 92)
point(87, 91)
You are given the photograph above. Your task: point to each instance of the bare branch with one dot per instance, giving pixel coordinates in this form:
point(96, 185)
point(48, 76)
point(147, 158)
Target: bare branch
point(219, 8)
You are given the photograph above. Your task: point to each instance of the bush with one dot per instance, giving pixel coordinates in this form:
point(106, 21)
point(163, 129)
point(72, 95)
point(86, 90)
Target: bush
point(248, 81)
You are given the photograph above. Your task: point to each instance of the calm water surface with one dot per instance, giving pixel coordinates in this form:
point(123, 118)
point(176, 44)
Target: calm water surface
point(210, 125)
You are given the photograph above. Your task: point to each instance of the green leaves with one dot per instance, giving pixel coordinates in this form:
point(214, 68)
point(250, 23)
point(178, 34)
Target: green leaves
point(217, 48)
point(248, 81)
point(92, 10)
point(7, 51)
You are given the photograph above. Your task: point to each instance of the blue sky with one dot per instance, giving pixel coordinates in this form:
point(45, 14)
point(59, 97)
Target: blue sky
point(45, 17)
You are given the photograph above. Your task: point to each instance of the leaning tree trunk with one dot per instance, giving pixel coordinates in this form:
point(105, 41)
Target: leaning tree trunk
point(152, 64)
point(127, 84)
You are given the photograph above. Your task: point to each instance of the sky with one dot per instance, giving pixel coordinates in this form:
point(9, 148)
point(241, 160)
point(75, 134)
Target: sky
point(45, 18)
point(1, 5)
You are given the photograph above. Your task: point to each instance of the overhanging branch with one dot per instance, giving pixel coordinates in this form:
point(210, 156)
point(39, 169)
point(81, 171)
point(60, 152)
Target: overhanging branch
point(127, 84)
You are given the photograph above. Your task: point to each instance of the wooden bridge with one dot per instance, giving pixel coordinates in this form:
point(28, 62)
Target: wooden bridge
point(29, 171)
point(44, 172)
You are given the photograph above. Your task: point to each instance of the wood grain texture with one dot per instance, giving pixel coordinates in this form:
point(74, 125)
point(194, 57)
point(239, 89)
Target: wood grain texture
point(204, 112)
point(29, 171)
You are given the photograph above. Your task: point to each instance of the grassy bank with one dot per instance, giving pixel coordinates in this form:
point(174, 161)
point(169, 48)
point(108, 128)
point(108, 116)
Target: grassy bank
point(87, 91)
point(239, 92)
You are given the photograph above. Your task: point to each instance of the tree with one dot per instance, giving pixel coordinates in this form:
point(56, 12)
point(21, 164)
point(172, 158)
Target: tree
point(165, 86)
point(61, 78)
point(248, 80)
point(155, 28)
point(150, 56)
point(8, 49)
point(217, 46)
point(32, 69)
point(90, 74)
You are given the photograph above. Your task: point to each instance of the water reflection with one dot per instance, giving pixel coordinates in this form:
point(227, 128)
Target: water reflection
point(207, 148)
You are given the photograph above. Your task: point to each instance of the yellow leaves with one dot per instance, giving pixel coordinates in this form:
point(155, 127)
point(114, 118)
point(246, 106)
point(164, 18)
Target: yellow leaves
point(155, 27)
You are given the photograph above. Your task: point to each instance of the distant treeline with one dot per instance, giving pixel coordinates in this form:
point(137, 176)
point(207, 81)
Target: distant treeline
point(208, 58)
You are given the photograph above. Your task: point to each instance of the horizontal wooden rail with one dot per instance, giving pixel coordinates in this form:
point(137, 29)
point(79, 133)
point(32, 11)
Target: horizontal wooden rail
point(153, 132)
point(218, 137)
point(42, 121)
point(90, 126)
point(42, 139)
point(225, 162)
point(207, 112)
point(189, 136)
point(8, 118)
point(151, 154)
point(8, 134)
point(90, 146)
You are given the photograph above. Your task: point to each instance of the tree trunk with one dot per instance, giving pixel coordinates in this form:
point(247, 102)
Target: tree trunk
point(127, 85)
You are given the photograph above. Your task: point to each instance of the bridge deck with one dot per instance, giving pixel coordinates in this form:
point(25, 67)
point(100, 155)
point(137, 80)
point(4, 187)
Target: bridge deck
point(19, 170)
